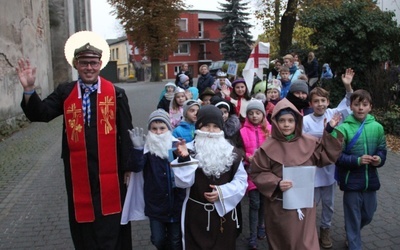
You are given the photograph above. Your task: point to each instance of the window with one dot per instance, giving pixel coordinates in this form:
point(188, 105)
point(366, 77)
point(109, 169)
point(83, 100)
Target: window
point(220, 46)
point(182, 23)
point(177, 69)
point(125, 71)
point(183, 48)
point(112, 54)
point(201, 29)
point(116, 53)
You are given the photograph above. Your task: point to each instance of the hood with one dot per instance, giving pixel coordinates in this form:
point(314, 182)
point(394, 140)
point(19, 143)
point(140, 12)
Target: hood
point(276, 132)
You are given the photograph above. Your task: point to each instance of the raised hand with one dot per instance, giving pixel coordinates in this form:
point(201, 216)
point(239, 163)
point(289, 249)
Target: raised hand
point(335, 119)
point(137, 137)
point(26, 74)
point(181, 149)
point(347, 78)
point(225, 90)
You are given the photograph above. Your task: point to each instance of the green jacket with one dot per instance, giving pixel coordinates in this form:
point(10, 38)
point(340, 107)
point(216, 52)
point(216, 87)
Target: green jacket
point(372, 141)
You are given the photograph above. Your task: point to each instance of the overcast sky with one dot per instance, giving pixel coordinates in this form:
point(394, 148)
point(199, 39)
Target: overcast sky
point(107, 25)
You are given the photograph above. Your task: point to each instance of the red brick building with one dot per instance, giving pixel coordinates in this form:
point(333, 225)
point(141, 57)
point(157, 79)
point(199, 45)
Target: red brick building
point(198, 43)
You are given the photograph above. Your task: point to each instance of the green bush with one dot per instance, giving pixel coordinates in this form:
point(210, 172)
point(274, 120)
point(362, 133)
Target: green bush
point(389, 118)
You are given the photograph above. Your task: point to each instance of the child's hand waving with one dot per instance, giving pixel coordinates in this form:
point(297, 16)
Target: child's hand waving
point(181, 149)
point(335, 119)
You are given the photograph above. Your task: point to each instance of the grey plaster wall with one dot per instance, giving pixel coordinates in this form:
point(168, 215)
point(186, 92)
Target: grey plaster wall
point(24, 33)
point(38, 30)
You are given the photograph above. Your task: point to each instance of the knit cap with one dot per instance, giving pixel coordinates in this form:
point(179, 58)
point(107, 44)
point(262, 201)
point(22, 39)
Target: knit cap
point(255, 104)
point(209, 114)
point(221, 74)
point(285, 112)
point(160, 115)
point(299, 85)
point(238, 81)
point(275, 84)
point(220, 102)
point(223, 104)
point(188, 104)
point(260, 96)
point(183, 78)
point(170, 84)
point(179, 90)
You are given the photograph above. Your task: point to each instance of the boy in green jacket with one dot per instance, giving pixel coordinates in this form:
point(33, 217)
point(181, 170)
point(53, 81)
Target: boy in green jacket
point(364, 150)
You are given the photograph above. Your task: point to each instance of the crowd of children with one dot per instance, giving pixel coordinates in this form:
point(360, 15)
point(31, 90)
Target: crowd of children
point(205, 150)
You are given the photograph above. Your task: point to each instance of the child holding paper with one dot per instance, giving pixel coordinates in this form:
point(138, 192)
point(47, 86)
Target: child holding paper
point(289, 147)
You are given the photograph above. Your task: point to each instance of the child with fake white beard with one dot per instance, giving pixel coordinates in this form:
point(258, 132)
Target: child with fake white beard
point(162, 199)
point(215, 182)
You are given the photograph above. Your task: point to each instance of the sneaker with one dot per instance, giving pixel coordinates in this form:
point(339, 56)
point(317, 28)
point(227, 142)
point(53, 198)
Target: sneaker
point(252, 245)
point(325, 238)
point(261, 233)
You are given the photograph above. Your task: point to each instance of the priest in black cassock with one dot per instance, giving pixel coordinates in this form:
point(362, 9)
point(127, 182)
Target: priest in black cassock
point(95, 142)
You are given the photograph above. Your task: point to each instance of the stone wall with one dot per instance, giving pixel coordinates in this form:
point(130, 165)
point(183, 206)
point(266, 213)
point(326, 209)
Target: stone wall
point(24, 32)
point(38, 30)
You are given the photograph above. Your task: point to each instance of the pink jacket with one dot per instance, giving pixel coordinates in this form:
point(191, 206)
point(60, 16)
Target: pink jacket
point(253, 137)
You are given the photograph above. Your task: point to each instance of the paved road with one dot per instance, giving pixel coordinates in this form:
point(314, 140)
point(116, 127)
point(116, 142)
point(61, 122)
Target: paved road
point(33, 207)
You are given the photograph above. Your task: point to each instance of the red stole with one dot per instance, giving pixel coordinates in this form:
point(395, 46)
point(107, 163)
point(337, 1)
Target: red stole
point(107, 153)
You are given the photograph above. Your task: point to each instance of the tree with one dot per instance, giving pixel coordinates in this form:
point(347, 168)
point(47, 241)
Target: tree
point(236, 38)
point(281, 16)
point(356, 34)
point(152, 26)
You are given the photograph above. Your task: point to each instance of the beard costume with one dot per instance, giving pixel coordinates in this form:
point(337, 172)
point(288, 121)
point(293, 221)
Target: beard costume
point(214, 152)
point(205, 224)
point(159, 145)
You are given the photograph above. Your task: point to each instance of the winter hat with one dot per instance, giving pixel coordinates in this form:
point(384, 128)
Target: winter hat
point(195, 92)
point(183, 78)
point(170, 84)
point(255, 104)
point(221, 74)
point(188, 104)
point(275, 84)
point(260, 96)
point(299, 85)
point(285, 112)
point(238, 81)
point(207, 91)
point(160, 115)
point(209, 114)
point(223, 104)
point(179, 90)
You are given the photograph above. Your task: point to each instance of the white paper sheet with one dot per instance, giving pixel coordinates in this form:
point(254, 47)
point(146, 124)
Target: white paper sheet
point(301, 195)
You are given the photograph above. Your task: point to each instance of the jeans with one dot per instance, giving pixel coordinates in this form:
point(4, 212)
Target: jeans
point(166, 235)
point(326, 195)
point(256, 212)
point(359, 208)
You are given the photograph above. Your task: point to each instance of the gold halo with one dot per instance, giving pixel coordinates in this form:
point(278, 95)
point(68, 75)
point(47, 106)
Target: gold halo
point(81, 38)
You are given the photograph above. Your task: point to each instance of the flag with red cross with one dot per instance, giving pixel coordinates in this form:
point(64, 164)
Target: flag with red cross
point(258, 60)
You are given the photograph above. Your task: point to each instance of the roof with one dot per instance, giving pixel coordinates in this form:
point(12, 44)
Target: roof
point(116, 40)
point(207, 14)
